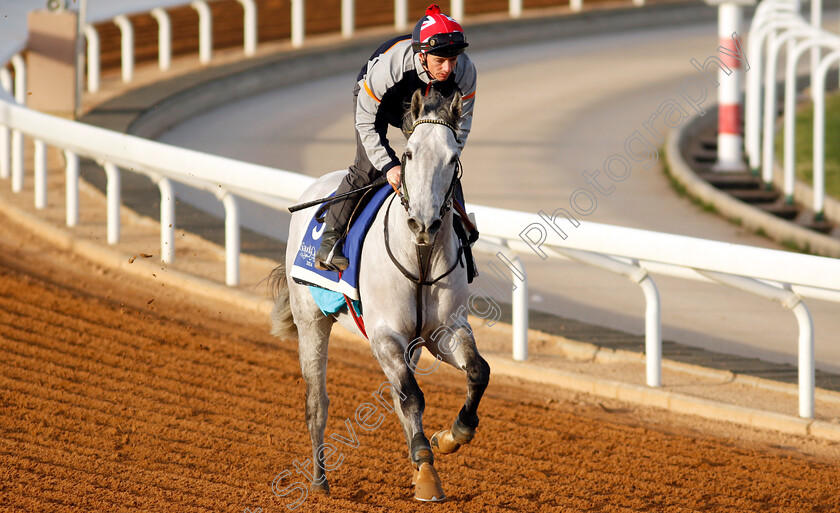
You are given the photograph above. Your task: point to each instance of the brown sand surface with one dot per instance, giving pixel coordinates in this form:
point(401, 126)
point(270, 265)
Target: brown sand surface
point(120, 394)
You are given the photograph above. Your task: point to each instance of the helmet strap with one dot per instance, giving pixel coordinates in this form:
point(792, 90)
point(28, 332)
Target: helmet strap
point(423, 58)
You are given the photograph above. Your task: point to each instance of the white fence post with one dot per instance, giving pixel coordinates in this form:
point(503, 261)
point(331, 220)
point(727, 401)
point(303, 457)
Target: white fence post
point(164, 38)
point(112, 191)
point(298, 23)
point(17, 137)
point(816, 23)
point(6, 80)
point(127, 31)
point(457, 8)
point(515, 8)
point(401, 14)
point(653, 308)
point(205, 31)
point(40, 171)
point(5, 148)
point(250, 26)
point(17, 161)
point(348, 18)
point(520, 312)
point(787, 298)
point(806, 361)
point(653, 332)
point(577, 5)
point(771, 99)
point(789, 154)
point(762, 24)
point(20, 78)
point(72, 186)
point(93, 51)
point(232, 239)
point(818, 93)
point(79, 59)
point(167, 221)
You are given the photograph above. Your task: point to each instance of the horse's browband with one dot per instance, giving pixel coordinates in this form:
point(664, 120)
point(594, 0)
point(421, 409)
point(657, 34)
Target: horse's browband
point(434, 122)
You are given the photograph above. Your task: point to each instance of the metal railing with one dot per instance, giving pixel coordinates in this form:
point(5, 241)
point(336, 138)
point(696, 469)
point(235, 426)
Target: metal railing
point(157, 9)
point(777, 28)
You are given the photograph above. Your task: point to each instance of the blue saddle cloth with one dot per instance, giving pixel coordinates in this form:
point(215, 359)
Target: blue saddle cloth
point(304, 271)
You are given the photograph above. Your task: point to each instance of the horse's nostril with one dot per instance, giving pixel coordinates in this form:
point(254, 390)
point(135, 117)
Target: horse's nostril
point(435, 227)
point(415, 226)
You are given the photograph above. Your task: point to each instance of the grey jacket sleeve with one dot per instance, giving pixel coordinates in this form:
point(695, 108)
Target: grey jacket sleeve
point(467, 79)
point(383, 72)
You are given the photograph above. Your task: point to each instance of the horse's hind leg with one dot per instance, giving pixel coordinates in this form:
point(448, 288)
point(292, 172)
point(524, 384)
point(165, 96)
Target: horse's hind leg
point(409, 404)
point(313, 341)
point(457, 348)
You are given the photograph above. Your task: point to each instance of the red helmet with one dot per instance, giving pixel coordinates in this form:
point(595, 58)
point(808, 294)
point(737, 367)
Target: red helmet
point(438, 34)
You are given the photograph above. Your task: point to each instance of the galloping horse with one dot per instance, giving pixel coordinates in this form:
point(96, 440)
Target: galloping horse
point(413, 290)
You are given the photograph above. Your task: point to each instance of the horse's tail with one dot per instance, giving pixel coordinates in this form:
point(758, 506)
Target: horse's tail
point(282, 322)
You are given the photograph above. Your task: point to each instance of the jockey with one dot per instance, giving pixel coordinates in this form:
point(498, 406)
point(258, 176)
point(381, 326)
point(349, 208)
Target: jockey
point(430, 58)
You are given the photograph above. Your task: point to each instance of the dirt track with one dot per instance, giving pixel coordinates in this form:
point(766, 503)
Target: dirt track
point(119, 394)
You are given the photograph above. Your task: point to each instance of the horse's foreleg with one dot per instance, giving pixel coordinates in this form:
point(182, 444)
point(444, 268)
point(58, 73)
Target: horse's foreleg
point(409, 404)
point(395, 397)
point(457, 348)
point(313, 344)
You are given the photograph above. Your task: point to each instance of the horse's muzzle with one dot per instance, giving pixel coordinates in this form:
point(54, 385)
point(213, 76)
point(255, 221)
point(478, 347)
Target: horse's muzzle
point(423, 235)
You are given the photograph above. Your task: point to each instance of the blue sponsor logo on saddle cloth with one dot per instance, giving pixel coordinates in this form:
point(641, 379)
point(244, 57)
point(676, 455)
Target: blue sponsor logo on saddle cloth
point(304, 270)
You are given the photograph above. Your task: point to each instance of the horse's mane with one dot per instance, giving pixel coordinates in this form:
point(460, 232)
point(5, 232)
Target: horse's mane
point(433, 105)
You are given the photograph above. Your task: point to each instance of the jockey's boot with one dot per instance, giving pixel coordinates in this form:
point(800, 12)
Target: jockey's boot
point(329, 256)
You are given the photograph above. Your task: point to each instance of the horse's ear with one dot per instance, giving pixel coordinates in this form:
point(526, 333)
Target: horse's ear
point(416, 105)
point(456, 106)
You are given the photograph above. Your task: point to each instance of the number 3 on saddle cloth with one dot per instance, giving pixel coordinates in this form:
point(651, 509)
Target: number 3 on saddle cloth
point(331, 290)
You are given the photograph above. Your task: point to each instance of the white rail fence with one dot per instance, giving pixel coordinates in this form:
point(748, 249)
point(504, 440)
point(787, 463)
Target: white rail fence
point(118, 14)
point(778, 28)
point(776, 275)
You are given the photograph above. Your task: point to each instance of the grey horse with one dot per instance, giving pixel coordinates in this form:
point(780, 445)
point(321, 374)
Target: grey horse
point(413, 290)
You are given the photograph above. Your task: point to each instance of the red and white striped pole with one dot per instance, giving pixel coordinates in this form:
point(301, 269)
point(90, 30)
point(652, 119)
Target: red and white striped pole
point(730, 140)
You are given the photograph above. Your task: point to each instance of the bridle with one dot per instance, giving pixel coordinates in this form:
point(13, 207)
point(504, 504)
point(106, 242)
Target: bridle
point(424, 253)
point(403, 192)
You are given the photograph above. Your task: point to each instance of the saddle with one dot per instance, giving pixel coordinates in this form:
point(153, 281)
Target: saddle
point(303, 269)
point(329, 288)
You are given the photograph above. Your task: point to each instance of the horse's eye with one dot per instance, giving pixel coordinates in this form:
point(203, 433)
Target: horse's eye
point(408, 154)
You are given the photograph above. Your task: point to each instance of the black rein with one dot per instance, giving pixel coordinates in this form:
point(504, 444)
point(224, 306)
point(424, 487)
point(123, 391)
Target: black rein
point(423, 254)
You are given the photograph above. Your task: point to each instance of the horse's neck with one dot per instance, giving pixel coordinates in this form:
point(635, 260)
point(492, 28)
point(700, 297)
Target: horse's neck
point(403, 247)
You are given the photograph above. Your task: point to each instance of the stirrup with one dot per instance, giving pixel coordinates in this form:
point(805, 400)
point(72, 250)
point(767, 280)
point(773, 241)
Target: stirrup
point(334, 260)
point(326, 266)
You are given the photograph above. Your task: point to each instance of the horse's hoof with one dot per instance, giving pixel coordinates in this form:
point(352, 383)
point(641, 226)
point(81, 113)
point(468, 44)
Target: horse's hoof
point(414, 476)
point(320, 489)
point(427, 487)
point(443, 443)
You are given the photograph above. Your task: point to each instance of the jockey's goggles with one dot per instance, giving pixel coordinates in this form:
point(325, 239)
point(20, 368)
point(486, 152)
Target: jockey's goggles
point(446, 42)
